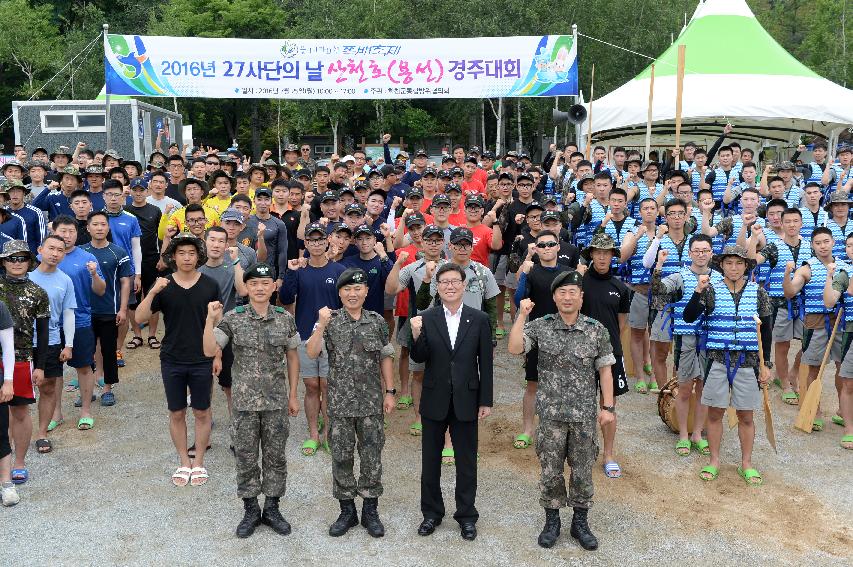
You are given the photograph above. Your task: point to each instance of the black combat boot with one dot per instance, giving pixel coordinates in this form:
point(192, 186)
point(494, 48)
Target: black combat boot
point(551, 531)
point(251, 518)
point(581, 531)
point(347, 519)
point(272, 516)
point(370, 517)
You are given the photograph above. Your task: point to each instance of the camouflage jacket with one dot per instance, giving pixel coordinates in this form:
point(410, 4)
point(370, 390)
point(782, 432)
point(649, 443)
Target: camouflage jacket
point(569, 358)
point(260, 344)
point(356, 349)
point(27, 301)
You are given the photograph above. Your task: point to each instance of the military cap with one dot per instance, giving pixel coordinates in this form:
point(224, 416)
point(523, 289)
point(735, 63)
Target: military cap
point(571, 277)
point(258, 270)
point(461, 234)
point(315, 227)
point(441, 199)
point(362, 229)
point(413, 219)
point(600, 241)
point(352, 276)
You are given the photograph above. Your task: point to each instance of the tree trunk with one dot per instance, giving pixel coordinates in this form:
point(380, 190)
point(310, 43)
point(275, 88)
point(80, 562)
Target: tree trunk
point(499, 134)
point(483, 122)
point(472, 130)
point(256, 133)
point(334, 123)
point(520, 141)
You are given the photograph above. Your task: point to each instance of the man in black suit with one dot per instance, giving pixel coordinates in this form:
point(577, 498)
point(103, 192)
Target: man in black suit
point(455, 342)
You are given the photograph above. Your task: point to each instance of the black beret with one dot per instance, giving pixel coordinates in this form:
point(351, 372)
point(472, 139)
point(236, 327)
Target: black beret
point(257, 270)
point(352, 276)
point(567, 278)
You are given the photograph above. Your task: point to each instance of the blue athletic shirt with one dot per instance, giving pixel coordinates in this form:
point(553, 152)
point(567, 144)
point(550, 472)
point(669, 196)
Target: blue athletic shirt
point(74, 266)
point(115, 264)
point(60, 293)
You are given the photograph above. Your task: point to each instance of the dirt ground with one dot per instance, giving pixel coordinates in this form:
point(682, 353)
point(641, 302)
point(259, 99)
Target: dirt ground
point(105, 497)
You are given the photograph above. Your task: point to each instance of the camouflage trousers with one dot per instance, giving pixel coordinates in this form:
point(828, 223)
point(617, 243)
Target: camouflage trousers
point(558, 442)
point(253, 431)
point(368, 434)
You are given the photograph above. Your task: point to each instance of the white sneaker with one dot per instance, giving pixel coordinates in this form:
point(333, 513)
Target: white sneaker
point(9, 494)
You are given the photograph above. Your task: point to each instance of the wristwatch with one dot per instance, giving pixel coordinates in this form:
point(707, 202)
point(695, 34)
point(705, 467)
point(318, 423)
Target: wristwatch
point(611, 409)
point(392, 391)
point(768, 364)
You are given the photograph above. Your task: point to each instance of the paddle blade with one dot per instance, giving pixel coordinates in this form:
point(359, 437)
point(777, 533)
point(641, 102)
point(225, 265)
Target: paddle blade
point(803, 379)
point(768, 420)
point(808, 406)
point(732, 414)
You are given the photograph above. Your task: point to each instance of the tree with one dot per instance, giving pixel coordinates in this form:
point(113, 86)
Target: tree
point(29, 42)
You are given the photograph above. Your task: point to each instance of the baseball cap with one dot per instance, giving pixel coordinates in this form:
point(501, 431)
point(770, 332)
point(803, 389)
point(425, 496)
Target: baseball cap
point(460, 234)
point(353, 208)
point(235, 215)
point(475, 200)
point(433, 229)
point(441, 199)
point(388, 170)
point(362, 229)
point(533, 206)
point(414, 192)
point(329, 196)
point(452, 187)
point(550, 215)
point(263, 191)
point(315, 227)
point(257, 271)
point(413, 219)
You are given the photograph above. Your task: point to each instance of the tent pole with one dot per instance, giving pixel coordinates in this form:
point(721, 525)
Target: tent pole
point(107, 123)
point(589, 123)
point(649, 119)
point(678, 92)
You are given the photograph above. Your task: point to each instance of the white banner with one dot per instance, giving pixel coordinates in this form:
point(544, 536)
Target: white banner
point(341, 68)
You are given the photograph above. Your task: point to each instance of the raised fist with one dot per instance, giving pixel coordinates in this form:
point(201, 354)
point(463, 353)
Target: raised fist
point(293, 264)
point(526, 306)
point(92, 267)
point(234, 253)
point(386, 138)
point(160, 284)
point(662, 230)
point(789, 267)
point(702, 283)
point(214, 310)
point(402, 257)
point(429, 270)
point(324, 316)
point(417, 324)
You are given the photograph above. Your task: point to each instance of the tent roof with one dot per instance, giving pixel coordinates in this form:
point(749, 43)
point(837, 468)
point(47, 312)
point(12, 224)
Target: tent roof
point(735, 71)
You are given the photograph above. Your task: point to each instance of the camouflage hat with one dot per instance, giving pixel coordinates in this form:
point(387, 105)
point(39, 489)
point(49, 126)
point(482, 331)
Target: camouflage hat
point(570, 277)
point(113, 154)
point(551, 215)
point(269, 162)
point(38, 163)
point(291, 148)
point(837, 197)
point(649, 163)
point(61, 151)
point(71, 170)
point(95, 170)
point(600, 241)
point(17, 247)
point(184, 238)
point(844, 149)
point(12, 163)
point(15, 184)
point(787, 165)
point(352, 276)
point(258, 167)
point(734, 250)
point(258, 270)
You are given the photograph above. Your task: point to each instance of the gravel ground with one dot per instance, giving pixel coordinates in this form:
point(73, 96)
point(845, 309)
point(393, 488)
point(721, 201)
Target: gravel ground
point(104, 496)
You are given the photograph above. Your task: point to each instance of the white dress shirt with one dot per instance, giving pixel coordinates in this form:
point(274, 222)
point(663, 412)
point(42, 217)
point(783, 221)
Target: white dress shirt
point(452, 320)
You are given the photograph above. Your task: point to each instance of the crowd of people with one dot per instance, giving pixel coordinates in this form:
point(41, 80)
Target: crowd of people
point(269, 273)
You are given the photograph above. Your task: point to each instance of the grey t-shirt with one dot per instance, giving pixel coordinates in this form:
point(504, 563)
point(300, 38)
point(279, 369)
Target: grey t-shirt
point(223, 275)
point(163, 203)
point(480, 284)
point(6, 321)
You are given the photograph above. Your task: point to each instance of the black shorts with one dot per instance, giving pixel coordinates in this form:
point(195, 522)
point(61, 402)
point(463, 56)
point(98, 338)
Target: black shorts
point(531, 361)
point(224, 378)
point(177, 378)
point(149, 276)
point(620, 381)
point(53, 367)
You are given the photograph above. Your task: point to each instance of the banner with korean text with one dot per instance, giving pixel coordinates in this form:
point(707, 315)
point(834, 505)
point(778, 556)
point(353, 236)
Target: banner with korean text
point(483, 67)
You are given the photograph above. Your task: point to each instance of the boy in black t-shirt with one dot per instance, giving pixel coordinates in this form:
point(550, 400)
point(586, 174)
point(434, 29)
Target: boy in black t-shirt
point(183, 298)
point(148, 216)
point(608, 301)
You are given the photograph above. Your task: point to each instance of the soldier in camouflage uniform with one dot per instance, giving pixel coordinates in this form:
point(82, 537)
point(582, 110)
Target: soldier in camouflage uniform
point(360, 368)
point(573, 350)
point(265, 375)
point(30, 308)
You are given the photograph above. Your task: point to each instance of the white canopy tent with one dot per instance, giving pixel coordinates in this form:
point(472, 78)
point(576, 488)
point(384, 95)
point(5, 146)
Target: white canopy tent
point(734, 71)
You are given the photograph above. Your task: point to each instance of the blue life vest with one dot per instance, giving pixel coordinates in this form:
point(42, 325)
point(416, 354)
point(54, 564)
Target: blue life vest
point(793, 196)
point(690, 279)
point(695, 180)
point(597, 214)
point(644, 193)
point(721, 180)
point(816, 175)
point(777, 273)
point(809, 223)
point(846, 299)
point(628, 225)
point(674, 261)
point(813, 290)
point(732, 327)
point(638, 274)
point(840, 236)
point(839, 175)
point(737, 223)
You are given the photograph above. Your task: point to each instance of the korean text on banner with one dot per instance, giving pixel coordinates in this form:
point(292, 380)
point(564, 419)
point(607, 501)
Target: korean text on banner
point(341, 68)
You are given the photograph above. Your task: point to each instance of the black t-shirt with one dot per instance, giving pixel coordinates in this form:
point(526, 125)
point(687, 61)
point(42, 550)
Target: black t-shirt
point(83, 236)
point(538, 288)
point(184, 312)
point(294, 245)
point(513, 229)
point(173, 190)
point(604, 298)
point(148, 216)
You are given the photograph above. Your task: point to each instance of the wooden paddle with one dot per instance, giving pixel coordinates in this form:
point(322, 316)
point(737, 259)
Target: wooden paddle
point(811, 400)
point(768, 414)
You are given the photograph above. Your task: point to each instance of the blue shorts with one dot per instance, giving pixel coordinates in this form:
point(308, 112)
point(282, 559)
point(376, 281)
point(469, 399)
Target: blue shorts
point(83, 351)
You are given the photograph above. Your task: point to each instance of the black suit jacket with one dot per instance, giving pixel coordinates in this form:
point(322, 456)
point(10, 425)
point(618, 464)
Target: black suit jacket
point(463, 372)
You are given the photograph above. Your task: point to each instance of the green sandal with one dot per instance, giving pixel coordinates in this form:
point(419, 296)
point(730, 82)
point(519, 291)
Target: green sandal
point(85, 423)
point(847, 442)
point(647, 369)
point(682, 448)
point(405, 402)
point(522, 441)
point(641, 387)
point(751, 476)
point(838, 420)
point(499, 333)
point(309, 448)
point(777, 383)
point(448, 457)
point(711, 471)
point(653, 387)
point(416, 429)
point(702, 447)
point(54, 424)
point(817, 424)
point(791, 398)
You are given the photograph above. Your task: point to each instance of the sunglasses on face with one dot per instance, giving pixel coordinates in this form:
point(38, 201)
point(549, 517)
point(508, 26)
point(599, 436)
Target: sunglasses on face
point(18, 259)
point(549, 244)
